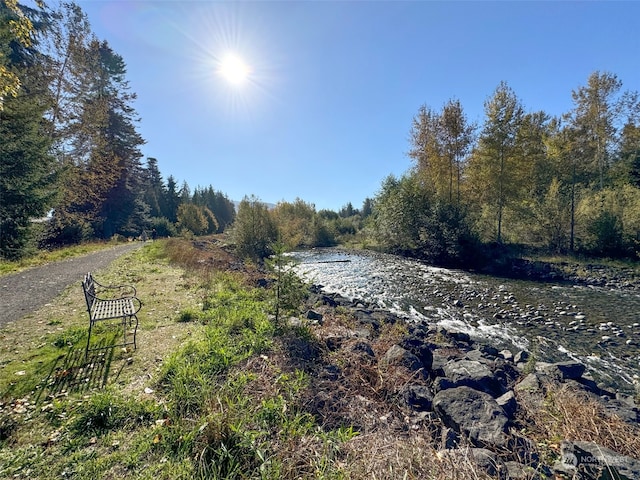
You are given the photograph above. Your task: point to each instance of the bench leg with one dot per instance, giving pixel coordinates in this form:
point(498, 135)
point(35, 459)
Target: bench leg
point(86, 350)
point(135, 331)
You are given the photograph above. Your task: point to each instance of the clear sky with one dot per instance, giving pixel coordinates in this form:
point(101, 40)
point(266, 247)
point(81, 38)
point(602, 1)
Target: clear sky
point(325, 110)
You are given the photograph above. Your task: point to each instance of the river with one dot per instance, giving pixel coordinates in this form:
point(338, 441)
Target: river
point(557, 322)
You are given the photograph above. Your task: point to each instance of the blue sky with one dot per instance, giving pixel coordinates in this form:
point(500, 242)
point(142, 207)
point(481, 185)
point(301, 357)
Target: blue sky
point(326, 110)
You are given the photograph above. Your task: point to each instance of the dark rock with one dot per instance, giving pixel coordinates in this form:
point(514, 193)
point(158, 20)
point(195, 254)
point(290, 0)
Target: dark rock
point(508, 403)
point(461, 337)
point(473, 374)
point(420, 349)
point(626, 412)
point(442, 383)
point(530, 390)
point(363, 347)
point(329, 301)
point(489, 351)
point(366, 318)
point(313, 315)
point(334, 342)
point(588, 460)
point(563, 370)
point(474, 414)
point(449, 438)
point(418, 397)
point(397, 355)
point(521, 357)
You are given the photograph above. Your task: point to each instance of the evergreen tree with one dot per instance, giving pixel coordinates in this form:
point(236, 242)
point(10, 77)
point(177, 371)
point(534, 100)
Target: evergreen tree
point(102, 185)
point(171, 200)
point(26, 168)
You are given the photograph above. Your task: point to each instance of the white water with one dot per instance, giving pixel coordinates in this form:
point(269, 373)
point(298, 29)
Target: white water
point(556, 322)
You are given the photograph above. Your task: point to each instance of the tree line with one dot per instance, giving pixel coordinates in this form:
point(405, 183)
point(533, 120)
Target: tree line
point(70, 151)
point(69, 144)
point(563, 184)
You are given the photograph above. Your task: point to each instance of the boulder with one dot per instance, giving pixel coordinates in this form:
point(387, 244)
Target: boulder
point(592, 461)
point(563, 370)
point(418, 397)
point(508, 403)
point(399, 356)
point(314, 316)
point(474, 374)
point(473, 413)
point(420, 349)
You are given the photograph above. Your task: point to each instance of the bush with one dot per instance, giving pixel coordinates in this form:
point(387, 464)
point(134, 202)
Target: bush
point(163, 227)
point(254, 230)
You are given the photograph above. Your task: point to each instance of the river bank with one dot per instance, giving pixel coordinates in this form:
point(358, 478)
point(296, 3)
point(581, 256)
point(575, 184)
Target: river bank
point(588, 272)
point(557, 320)
point(514, 416)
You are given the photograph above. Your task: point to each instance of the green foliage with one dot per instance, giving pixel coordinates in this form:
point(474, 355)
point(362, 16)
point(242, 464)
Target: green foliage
point(409, 220)
point(254, 230)
point(70, 337)
point(26, 179)
point(196, 219)
point(107, 410)
point(290, 290)
point(163, 227)
point(236, 328)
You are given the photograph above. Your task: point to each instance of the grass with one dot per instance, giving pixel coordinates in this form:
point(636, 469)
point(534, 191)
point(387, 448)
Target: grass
point(216, 390)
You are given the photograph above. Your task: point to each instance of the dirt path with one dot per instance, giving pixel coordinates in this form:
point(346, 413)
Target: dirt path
point(24, 292)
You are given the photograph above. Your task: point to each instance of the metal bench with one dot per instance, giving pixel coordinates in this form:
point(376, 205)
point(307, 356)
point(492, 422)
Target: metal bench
point(119, 303)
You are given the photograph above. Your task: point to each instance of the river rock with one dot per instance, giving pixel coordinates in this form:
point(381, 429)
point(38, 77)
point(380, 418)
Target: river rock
point(508, 403)
point(474, 414)
point(399, 356)
point(314, 316)
point(588, 460)
point(530, 390)
point(363, 347)
point(418, 397)
point(474, 374)
point(562, 370)
point(420, 349)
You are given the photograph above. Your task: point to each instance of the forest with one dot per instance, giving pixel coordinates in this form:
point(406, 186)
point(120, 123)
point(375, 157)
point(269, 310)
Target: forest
point(71, 167)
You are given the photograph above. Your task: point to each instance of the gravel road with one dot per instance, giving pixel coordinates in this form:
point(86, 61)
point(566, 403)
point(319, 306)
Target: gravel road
point(24, 292)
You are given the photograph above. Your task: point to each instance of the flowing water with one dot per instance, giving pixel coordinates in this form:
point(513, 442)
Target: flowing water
point(599, 327)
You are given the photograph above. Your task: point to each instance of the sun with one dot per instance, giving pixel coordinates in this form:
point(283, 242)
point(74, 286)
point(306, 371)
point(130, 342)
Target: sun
point(234, 69)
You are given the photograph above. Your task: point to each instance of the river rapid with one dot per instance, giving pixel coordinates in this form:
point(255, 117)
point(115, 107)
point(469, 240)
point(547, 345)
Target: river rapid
point(597, 326)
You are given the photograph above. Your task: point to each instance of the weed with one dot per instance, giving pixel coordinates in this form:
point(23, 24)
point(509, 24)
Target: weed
point(188, 315)
point(107, 410)
point(70, 337)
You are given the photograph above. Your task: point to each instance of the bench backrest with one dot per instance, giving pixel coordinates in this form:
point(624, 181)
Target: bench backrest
point(89, 288)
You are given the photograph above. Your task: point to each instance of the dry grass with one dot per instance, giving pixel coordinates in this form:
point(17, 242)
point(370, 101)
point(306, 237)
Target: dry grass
point(567, 414)
point(322, 407)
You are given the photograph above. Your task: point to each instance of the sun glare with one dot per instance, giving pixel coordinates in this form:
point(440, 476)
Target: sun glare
point(234, 70)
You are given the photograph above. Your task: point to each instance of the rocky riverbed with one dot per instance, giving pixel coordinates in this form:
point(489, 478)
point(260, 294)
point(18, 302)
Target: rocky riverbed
point(471, 398)
point(559, 312)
